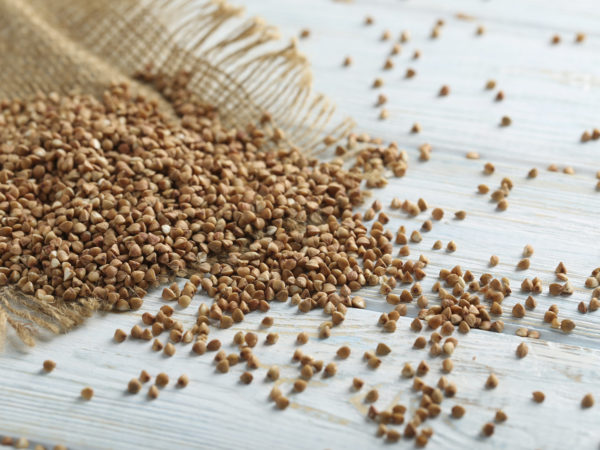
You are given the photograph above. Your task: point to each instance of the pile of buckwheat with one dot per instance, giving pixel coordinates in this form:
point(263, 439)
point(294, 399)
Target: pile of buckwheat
point(104, 199)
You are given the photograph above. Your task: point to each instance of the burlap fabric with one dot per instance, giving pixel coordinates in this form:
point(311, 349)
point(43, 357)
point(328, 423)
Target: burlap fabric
point(237, 65)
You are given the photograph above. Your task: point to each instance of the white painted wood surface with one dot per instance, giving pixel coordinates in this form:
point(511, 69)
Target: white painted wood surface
point(552, 96)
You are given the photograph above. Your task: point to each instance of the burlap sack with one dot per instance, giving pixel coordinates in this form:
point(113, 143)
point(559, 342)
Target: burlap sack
point(81, 45)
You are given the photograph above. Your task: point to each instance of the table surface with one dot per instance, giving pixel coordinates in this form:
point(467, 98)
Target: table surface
point(551, 94)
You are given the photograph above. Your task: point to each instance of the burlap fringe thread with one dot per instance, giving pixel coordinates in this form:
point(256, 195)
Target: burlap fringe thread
point(24, 313)
point(80, 45)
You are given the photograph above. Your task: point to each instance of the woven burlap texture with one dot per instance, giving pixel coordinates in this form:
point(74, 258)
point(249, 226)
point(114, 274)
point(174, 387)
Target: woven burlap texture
point(238, 65)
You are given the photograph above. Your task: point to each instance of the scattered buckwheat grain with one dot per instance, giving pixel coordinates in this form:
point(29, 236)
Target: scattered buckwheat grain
point(87, 393)
point(183, 381)
point(357, 383)
point(153, 392)
point(134, 386)
point(587, 401)
point(49, 365)
point(372, 396)
point(538, 396)
point(522, 350)
point(488, 429)
point(491, 382)
point(162, 379)
point(120, 335)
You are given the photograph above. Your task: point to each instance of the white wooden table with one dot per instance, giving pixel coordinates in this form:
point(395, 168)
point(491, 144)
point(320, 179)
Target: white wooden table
point(552, 95)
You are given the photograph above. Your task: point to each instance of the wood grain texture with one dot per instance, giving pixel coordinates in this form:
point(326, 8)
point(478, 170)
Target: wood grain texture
point(552, 96)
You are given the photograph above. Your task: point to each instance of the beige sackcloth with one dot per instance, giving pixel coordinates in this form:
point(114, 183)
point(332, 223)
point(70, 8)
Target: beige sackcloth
point(238, 65)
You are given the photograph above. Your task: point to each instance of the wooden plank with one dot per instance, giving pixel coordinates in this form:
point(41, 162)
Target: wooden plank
point(552, 96)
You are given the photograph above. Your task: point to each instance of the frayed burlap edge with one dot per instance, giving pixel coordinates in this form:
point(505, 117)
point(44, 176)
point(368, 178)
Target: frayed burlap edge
point(25, 313)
